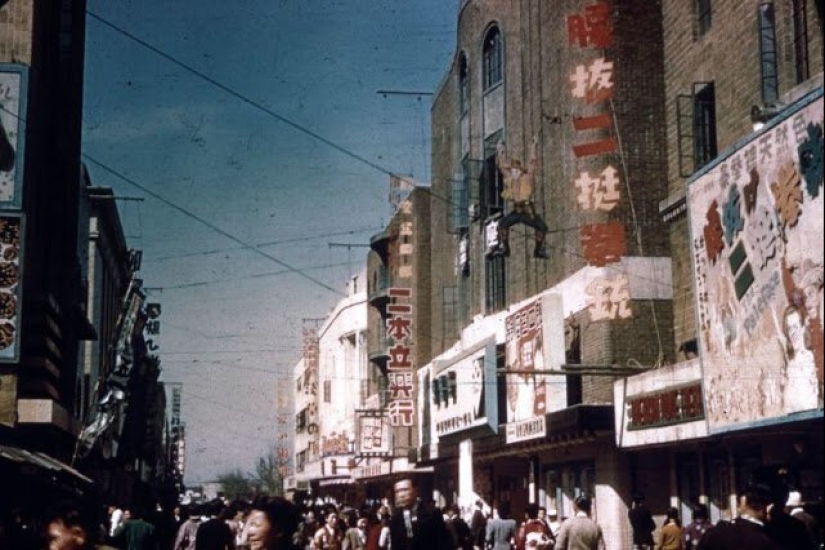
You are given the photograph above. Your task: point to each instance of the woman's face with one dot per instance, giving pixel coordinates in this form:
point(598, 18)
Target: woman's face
point(332, 520)
point(259, 528)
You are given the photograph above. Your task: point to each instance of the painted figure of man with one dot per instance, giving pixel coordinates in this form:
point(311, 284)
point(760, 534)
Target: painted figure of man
point(519, 183)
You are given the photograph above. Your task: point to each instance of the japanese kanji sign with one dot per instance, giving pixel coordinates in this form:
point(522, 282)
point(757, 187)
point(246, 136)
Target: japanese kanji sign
point(756, 221)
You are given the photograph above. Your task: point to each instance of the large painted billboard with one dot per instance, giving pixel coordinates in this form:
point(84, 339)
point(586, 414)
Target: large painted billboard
point(13, 90)
point(756, 228)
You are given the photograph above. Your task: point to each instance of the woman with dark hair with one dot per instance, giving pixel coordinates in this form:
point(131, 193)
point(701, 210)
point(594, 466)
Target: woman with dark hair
point(692, 534)
point(272, 524)
point(671, 531)
point(501, 531)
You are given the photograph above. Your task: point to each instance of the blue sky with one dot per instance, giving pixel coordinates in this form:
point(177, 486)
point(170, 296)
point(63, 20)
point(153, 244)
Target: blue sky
point(232, 318)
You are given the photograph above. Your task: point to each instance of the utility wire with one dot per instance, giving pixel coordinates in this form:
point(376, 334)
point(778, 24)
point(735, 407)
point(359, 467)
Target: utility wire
point(240, 96)
point(208, 224)
point(261, 245)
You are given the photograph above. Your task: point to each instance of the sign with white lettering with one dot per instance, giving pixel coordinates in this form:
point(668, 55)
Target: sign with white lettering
point(460, 394)
point(525, 430)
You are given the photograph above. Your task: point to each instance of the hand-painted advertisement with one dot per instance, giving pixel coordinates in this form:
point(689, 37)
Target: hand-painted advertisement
point(756, 236)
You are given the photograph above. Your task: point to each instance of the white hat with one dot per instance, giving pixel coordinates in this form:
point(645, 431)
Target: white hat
point(794, 499)
point(552, 512)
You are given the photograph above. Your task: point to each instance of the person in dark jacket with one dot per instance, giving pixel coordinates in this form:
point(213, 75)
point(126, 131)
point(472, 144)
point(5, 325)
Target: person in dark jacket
point(416, 524)
point(641, 522)
point(478, 526)
point(214, 533)
point(136, 533)
point(747, 531)
point(459, 530)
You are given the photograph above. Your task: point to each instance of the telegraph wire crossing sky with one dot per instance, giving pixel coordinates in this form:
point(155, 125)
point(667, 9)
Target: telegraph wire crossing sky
point(255, 134)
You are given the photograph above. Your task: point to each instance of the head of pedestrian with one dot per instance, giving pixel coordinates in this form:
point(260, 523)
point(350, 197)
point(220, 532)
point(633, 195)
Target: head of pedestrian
point(672, 516)
point(754, 500)
point(272, 524)
point(532, 511)
point(406, 493)
point(582, 504)
point(70, 526)
point(332, 519)
point(700, 513)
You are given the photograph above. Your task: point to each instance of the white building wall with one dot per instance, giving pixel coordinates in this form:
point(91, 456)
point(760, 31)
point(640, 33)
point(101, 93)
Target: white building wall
point(342, 363)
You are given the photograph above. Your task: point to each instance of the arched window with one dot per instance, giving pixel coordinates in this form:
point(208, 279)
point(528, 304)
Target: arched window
point(463, 85)
point(493, 58)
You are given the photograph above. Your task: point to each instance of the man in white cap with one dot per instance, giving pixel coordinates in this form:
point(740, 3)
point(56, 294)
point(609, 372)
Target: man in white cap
point(553, 522)
point(793, 507)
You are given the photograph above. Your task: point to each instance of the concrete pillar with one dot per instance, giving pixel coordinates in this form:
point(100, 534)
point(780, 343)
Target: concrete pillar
point(465, 474)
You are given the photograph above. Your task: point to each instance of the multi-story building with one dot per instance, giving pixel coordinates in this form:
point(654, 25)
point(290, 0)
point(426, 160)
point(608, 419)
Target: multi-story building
point(547, 174)
point(743, 86)
point(71, 321)
point(330, 381)
point(398, 289)
point(622, 281)
point(43, 315)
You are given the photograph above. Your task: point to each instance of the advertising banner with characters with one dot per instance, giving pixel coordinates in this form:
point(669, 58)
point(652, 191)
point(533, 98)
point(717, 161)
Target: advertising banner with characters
point(756, 224)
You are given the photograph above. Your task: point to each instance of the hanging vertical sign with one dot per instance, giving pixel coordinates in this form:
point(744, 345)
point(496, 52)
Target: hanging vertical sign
point(151, 330)
point(401, 406)
point(598, 184)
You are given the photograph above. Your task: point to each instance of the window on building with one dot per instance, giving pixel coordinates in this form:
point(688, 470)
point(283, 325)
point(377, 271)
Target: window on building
point(460, 203)
point(704, 124)
point(463, 85)
point(493, 58)
point(327, 391)
point(767, 52)
point(496, 283)
point(449, 313)
point(491, 186)
point(802, 69)
point(703, 16)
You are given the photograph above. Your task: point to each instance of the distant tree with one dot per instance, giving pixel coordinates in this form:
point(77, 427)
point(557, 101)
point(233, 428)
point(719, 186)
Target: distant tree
point(266, 476)
point(236, 485)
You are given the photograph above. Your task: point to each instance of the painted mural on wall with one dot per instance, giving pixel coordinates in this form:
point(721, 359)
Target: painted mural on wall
point(757, 232)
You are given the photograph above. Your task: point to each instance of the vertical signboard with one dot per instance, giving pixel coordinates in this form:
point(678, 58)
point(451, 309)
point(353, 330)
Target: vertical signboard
point(526, 390)
point(373, 433)
point(756, 222)
point(598, 182)
point(13, 86)
point(11, 252)
point(401, 407)
point(151, 330)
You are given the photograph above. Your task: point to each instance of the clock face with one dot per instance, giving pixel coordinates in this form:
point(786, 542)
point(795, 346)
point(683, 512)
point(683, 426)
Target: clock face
point(10, 127)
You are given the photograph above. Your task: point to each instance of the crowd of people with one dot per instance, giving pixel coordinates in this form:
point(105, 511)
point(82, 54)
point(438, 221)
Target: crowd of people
point(410, 523)
point(769, 518)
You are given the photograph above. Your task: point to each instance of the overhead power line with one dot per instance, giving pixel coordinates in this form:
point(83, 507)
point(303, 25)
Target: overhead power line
point(211, 226)
point(240, 96)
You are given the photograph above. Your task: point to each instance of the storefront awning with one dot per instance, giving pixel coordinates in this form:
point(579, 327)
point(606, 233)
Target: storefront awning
point(41, 461)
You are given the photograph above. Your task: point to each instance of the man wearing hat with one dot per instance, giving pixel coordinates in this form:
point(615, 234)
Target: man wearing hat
point(793, 507)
